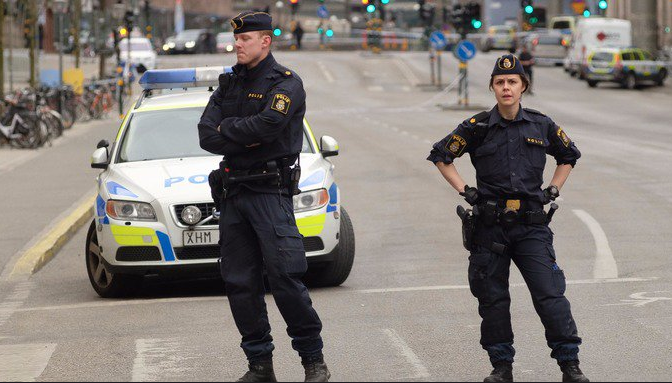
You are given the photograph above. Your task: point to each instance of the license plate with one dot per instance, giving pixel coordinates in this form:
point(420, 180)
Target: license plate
point(200, 237)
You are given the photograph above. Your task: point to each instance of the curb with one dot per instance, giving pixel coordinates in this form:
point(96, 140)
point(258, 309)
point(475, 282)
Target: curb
point(38, 255)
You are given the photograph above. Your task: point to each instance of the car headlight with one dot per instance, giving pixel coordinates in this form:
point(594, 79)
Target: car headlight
point(131, 211)
point(190, 44)
point(229, 48)
point(171, 45)
point(310, 200)
point(166, 47)
point(191, 215)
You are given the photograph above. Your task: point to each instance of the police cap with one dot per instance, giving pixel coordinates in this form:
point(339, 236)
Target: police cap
point(508, 64)
point(249, 21)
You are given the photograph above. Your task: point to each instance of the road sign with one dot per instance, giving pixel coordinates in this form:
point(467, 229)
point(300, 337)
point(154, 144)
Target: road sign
point(438, 40)
point(465, 50)
point(322, 12)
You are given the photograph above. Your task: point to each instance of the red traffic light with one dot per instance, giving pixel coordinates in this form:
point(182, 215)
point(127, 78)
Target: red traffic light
point(294, 1)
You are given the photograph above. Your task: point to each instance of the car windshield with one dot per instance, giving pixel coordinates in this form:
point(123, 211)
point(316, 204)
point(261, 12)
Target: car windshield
point(136, 46)
point(188, 34)
point(562, 25)
point(550, 40)
point(603, 56)
point(156, 135)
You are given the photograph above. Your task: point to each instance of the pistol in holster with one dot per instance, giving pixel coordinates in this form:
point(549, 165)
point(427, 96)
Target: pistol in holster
point(294, 178)
point(468, 226)
point(218, 180)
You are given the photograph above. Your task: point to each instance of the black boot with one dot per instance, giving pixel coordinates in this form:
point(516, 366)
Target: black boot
point(260, 371)
point(503, 372)
point(316, 369)
point(571, 372)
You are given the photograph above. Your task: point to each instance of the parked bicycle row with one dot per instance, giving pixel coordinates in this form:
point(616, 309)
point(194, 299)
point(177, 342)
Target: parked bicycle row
point(32, 118)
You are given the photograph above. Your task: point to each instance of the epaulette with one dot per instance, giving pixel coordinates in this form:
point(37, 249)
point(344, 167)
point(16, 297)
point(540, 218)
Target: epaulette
point(282, 70)
point(534, 111)
point(481, 117)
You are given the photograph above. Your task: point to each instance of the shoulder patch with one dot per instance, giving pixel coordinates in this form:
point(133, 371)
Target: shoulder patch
point(534, 111)
point(456, 145)
point(281, 103)
point(563, 137)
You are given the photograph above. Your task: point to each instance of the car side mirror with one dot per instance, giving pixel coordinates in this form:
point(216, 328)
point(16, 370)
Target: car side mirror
point(100, 157)
point(328, 146)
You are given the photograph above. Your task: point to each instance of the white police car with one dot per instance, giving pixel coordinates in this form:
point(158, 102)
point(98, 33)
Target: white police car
point(154, 213)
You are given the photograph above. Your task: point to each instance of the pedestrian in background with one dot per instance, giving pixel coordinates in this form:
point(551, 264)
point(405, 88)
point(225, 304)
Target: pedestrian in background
point(508, 147)
point(527, 60)
point(255, 119)
point(298, 34)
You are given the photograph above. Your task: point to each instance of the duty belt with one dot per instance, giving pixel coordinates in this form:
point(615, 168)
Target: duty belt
point(508, 212)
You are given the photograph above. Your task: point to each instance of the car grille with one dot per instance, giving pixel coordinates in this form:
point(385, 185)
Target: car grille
point(313, 244)
point(206, 211)
point(138, 254)
point(197, 252)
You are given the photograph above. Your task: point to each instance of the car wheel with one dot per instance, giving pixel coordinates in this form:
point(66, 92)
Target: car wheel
point(592, 83)
point(630, 81)
point(336, 272)
point(660, 81)
point(104, 282)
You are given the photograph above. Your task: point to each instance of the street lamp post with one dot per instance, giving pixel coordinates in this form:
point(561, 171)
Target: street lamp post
point(117, 12)
point(60, 7)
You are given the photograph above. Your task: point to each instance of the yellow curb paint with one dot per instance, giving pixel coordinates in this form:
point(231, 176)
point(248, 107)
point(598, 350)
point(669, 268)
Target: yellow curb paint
point(39, 255)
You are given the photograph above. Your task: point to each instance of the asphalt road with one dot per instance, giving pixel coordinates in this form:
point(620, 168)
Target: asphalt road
point(405, 313)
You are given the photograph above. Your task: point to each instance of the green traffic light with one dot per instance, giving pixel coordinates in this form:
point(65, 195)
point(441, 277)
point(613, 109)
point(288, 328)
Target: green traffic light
point(277, 32)
point(330, 33)
point(371, 8)
point(603, 4)
point(529, 9)
point(476, 23)
point(385, 2)
point(586, 13)
point(534, 20)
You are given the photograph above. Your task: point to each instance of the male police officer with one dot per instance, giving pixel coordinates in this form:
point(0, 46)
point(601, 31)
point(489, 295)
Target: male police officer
point(508, 147)
point(255, 119)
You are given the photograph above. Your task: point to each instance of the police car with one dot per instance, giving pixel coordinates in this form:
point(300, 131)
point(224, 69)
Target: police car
point(154, 213)
point(629, 67)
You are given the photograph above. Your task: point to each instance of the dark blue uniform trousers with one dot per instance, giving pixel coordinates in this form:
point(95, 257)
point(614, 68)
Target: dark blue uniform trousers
point(258, 231)
point(531, 249)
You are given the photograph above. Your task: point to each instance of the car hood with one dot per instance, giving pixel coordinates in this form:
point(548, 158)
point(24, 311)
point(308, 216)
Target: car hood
point(186, 180)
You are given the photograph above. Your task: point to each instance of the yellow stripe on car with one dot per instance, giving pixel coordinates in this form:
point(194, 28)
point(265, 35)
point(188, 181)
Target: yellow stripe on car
point(134, 236)
point(311, 226)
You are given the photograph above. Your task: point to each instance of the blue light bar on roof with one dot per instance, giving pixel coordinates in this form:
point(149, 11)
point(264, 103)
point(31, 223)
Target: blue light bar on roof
point(182, 78)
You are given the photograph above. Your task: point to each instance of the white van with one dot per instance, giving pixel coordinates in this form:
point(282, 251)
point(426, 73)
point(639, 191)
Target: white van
point(592, 33)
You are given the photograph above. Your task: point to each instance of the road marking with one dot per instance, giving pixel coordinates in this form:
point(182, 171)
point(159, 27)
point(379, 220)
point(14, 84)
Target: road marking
point(466, 287)
point(605, 264)
point(7, 309)
point(375, 88)
point(160, 360)
point(24, 362)
point(639, 299)
point(325, 71)
point(135, 302)
point(34, 258)
point(14, 301)
point(406, 71)
point(405, 350)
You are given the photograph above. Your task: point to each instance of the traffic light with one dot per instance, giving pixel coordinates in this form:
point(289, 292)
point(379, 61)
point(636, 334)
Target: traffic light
point(277, 32)
point(603, 4)
point(586, 12)
point(474, 15)
point(128, 21)
point(365, 2)
point(426, 11)
point(295, 5)
point(370, 8)
point(329, 33)
point(384, 2)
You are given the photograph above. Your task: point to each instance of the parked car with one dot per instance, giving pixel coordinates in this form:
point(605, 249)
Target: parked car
point(225, 42)
point(499, 37)
point(142, 52)
point(547, 47)
point(593, 33)
point(629, 67)
point(191, 41)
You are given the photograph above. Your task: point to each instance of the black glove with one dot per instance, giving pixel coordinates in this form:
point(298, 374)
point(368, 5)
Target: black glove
point(470, 195)
point(550, 194)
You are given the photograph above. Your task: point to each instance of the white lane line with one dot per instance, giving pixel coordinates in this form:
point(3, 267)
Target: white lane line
point(24, 362)
point(7, 309)
point(605, 264)
point(325, 71)
point(406, 71)
point(405, 350)
point(161, 359)
point(466, 287)
point(89, 305)
point(14, 301)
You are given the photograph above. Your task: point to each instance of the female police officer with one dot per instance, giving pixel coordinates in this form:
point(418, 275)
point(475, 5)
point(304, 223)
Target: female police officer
point(508, 147)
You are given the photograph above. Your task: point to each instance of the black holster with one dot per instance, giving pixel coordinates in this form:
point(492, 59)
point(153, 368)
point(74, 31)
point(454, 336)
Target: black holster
point(468, 227)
